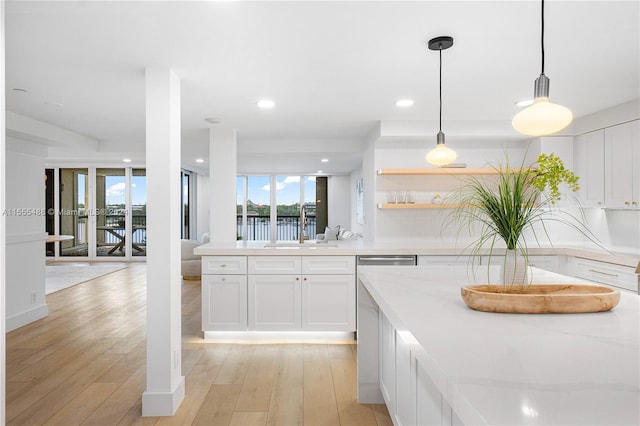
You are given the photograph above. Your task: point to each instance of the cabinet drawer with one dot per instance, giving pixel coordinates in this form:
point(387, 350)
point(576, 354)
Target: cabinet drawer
point(549, 263)
point(273, 265)
point(233, 265)
point(623, 277)
point(328, 265)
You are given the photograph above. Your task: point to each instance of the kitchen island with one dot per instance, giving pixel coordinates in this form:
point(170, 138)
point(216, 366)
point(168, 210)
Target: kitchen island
point(435, 361)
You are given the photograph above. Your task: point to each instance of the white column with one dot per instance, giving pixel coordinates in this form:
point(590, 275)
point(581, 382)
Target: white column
point(223, 172)
point(165, 383)
point(2, 222)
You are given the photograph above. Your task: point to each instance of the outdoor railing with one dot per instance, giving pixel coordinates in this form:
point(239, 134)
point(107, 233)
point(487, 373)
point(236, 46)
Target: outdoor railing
point(259, 228)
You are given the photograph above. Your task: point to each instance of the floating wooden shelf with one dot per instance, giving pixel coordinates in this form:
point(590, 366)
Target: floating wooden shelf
point(439, 171)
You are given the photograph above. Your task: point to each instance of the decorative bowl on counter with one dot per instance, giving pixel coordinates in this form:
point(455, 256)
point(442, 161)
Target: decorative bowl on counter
point(541, 298)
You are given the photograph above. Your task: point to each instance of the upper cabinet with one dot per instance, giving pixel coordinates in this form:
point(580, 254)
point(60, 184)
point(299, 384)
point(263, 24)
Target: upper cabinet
point(589, 166)
point(608, 164)
point(622, 165)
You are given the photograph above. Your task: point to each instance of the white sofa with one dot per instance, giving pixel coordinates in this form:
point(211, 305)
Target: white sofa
point(191, 267)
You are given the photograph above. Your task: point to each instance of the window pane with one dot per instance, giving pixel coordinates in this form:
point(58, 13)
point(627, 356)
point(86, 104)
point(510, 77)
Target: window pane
point(73, 218)
point(258, 208)
point(186, 218)
point(139, 212)
point(110, 212)
point(288, 207)
point(239, 204)
point(310, 205)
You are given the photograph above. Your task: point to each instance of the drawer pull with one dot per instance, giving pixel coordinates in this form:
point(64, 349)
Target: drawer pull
point(603, 273)
point(224, 279)
point(297, 278)
point(223, 265)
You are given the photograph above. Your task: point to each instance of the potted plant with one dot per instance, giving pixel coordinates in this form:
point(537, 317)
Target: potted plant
point(508, 206)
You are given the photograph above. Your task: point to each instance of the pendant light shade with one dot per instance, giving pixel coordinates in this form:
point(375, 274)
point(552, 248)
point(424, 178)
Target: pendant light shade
point(542, 117)
point(441, 155)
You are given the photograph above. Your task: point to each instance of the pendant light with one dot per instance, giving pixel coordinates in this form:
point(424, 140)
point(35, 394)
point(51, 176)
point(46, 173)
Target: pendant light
point(542, 117)
point(441, 155)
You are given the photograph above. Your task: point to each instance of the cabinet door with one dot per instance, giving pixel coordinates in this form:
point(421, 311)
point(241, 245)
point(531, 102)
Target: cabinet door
point(428, 399)
point(274, 302)
point(329, 302)
point(387, 357)
point(224, 302)
point(618, 157)
point(634, 133)
point(405, 383)
point(589, 166)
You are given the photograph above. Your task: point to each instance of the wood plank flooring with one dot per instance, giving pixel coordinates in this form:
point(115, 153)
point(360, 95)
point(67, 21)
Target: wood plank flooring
point(85, 365)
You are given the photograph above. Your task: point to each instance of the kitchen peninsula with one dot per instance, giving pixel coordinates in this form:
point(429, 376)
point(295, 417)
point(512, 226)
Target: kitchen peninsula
point(249, 288)
point(436, 361)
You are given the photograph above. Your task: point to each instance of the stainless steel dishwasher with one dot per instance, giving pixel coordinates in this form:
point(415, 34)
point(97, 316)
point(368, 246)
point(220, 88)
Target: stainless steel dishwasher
point(387, 260)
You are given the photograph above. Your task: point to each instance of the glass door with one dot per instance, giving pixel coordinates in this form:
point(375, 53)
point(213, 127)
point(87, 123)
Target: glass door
point(73, 190)
point(111, 224)
point(138, 212)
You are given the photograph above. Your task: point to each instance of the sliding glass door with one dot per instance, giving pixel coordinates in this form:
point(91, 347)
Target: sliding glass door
point(73, 192)
point(138, 212)
point(111, 224)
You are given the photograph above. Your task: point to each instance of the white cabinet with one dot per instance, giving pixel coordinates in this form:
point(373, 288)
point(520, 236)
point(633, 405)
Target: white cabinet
point(589, 167)
point(292, 293)
point(274, 302)
point(224, 302)
point(620, 276)
point(387, 363)
point(224, 293)
point(328, 302)
point(622, 165)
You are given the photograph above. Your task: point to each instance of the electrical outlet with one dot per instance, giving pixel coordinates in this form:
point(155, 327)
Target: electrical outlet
point(33, 298)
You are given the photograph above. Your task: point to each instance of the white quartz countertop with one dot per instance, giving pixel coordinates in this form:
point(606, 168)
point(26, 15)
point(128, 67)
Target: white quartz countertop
point(363, 247)
point(545, 369)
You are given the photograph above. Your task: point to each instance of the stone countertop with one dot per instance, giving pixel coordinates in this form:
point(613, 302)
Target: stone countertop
point(429, 248)
point(515, 368)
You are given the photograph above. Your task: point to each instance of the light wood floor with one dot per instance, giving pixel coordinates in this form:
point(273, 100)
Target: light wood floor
point(85, 364)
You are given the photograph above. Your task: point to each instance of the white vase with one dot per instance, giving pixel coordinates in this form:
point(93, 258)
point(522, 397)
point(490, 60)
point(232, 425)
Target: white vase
point(514, 269)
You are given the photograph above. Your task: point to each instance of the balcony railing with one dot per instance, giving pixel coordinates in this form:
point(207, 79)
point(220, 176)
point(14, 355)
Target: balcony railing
point(259, 227)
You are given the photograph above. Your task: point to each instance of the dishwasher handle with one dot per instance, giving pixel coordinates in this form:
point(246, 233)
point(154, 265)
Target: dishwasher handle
point(386, 260)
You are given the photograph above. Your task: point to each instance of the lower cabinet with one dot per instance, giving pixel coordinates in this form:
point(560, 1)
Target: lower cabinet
point(302, 302)
point(410, 394)
point(279, 293)
point(224, 302)
point(620, 276)
point(274, 302)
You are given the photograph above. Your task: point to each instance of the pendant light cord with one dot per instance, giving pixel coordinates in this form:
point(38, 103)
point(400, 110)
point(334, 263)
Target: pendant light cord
point(440, 124)
point(542, 36)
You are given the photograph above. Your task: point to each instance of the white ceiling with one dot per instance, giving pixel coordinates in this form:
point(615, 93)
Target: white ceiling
point(334, 69)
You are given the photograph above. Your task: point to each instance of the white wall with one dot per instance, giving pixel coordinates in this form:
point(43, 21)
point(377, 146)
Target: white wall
point(25, 257)
point(339, 191)
point(203, 205)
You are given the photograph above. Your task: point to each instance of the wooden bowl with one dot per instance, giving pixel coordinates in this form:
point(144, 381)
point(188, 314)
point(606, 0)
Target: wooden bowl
point(540, 298)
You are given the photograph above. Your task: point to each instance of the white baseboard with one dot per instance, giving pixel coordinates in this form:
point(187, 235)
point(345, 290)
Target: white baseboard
point(163, 403)
point(280, 336)
point(27, 317)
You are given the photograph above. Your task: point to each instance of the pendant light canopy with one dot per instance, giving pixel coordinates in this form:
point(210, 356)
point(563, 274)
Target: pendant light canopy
point(543, 117)
point(441, 155)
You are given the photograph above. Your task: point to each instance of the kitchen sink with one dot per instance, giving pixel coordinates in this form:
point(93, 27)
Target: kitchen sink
point(306, 244)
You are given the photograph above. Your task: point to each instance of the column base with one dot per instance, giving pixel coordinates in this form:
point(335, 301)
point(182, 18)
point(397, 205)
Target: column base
point(163, 403)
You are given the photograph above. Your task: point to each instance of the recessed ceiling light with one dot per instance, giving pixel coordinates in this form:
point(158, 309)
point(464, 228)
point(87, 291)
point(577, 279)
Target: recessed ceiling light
point(213, 120)
point(319, 172)
point(325, 160)
point(199, 160)
point(524, 103)
point(19, 90)
point(404, 103)
point(126, 160)
point(266, 104)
